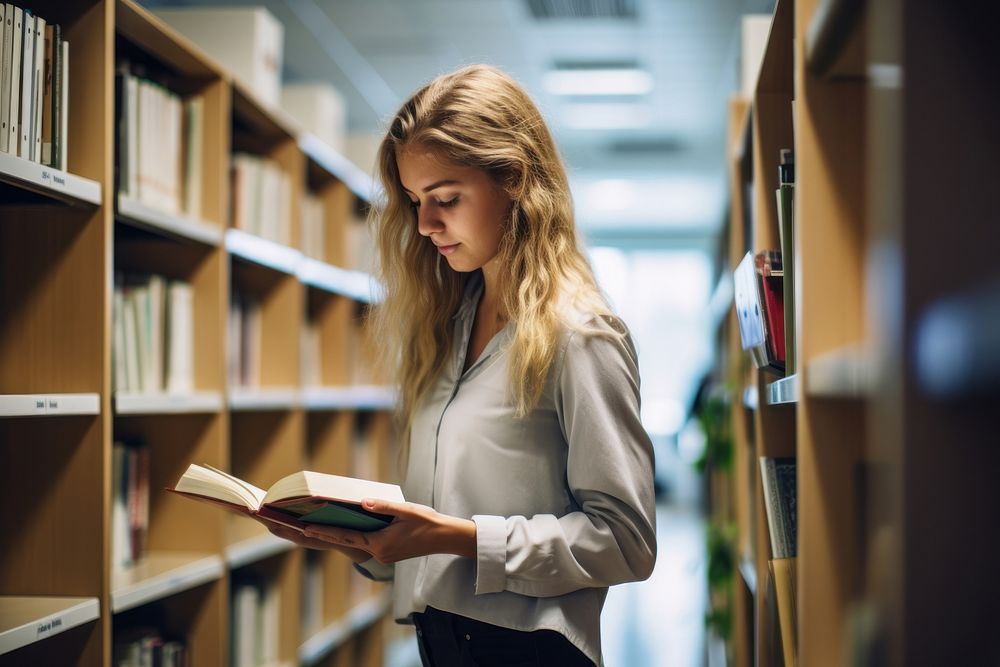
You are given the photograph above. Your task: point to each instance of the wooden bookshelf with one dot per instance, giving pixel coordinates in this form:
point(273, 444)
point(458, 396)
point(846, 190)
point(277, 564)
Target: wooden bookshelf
point(891, 470)
point(64, 235)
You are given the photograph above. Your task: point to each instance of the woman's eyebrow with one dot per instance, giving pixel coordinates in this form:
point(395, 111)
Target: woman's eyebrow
point(437, 184)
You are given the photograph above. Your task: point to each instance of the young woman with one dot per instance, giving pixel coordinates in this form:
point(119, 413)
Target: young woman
point(528, 474)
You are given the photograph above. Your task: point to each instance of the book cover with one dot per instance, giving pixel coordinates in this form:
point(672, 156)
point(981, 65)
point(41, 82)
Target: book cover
point(770, 269)
point(779, 488)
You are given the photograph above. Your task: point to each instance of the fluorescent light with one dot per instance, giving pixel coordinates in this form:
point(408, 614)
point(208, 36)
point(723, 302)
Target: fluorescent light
point(607, 116)
point(606, 81)
point(612, 194)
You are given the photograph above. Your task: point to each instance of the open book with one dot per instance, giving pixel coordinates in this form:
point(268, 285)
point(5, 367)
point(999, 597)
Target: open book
point(298, 500)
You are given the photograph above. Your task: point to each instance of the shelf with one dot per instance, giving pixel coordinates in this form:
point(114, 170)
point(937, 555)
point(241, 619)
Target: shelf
point(749, 574)
point(172, 404)
point(784, 391)
point(156, 37)
point(264, 119)
point(160, 575)
point(332, 636)
point(60, 185)
point(360, 183)
point(26, 620)
point(361, 397)
point(261, 251)
point(50, 405)
point(352, 284)
point(137, 214)
point(256, 548)
point(841, 373)
point(277, 398)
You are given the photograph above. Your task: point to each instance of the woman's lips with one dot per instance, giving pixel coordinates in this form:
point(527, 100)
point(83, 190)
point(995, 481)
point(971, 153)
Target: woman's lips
point(447, 249)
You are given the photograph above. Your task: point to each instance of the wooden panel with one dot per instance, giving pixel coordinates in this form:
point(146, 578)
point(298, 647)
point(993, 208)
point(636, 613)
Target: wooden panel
point(281, 317)
point(267, 446)
point(52, 481)
point(337, 203)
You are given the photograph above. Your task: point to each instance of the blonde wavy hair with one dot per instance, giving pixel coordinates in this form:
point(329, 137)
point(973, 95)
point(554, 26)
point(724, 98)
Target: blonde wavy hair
point(479, 116)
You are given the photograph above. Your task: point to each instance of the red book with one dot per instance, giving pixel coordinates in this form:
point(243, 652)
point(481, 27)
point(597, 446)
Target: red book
point(768, 264)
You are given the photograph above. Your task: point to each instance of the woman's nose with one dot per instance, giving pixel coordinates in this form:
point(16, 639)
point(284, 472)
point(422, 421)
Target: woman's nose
point(427, 221)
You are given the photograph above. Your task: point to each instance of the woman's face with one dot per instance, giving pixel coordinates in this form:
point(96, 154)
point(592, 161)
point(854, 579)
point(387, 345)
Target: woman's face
point(459, 209)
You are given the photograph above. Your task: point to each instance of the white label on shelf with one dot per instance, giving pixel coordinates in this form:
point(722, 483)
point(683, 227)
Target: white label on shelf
point(48, 627)
point(53, 404)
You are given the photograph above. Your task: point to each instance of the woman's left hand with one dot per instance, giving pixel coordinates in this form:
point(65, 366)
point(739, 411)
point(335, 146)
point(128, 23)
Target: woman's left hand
point(417, 530)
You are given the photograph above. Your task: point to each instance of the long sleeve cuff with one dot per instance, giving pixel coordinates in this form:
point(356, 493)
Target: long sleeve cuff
point(491, 553)
point(372, 569)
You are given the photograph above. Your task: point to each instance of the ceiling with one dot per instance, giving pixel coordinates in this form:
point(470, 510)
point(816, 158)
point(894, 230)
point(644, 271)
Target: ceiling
point(662, 183)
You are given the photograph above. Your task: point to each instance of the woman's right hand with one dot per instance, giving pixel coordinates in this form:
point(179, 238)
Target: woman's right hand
point(292, 535)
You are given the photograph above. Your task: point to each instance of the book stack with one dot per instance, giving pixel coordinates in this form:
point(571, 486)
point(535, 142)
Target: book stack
point(779, 487)
point(129, 503)
point(758, 292)
point(255, 622)
point(153, 335)
point(313, 234)
point(34, 87)
point(159, 144)
point(261, 198)
point(140, 647)
point(244, 335)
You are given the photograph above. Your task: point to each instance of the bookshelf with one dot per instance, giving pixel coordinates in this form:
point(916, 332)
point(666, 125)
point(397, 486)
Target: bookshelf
point(68, 239)
point(890, 470)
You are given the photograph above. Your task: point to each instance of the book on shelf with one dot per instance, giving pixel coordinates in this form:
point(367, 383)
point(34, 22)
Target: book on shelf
point(129, 502)
point(777, 476)
point(757, 295)
point(141, 646)
point(297, 500)
point(255, 621)
point(159, 143)
point(261, 198)
point(785, 195)
point(33, 76)
point(153, 335)
point(783, 570)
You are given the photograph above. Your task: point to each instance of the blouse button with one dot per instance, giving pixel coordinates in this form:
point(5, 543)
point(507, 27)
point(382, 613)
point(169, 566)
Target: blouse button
point(468, 638)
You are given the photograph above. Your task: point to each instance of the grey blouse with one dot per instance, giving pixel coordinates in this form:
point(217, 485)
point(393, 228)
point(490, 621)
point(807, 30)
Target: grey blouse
point(562, 499)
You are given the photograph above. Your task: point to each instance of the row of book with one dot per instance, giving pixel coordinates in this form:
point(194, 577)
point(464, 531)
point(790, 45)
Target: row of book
point(153, 335)
point(778, 483)
point(255, 621)
point(34, 87)
point(763, 287)
point(261, 198)
point(146, 647)
point(129, 503)
point(159, 144)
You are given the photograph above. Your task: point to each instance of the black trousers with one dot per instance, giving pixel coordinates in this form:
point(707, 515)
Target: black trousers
point(450, 640)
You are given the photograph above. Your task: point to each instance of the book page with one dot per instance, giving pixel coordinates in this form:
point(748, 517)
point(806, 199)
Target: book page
point(308, 484)
point(213, 483)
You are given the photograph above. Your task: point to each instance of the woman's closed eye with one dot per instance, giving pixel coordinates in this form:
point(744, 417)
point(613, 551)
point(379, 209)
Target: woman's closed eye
point(440, 204)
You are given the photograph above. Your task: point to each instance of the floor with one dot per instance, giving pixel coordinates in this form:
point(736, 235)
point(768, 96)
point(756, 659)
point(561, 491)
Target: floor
point(658, 622)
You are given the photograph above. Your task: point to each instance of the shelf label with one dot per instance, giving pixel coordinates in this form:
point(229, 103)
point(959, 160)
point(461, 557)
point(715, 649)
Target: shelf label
point(53, 404)
point(40, 404)
point(48, 628)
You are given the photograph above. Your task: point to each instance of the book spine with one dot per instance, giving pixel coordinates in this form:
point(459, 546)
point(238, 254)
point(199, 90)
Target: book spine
point(13, 127)
point(772, 506)
point(6, 28)
point(27, 89)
